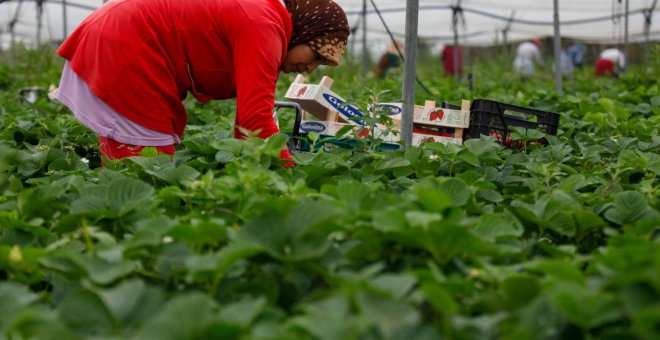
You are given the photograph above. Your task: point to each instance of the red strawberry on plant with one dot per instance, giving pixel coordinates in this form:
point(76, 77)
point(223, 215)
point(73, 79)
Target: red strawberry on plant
point(363, 133)
point(437, 114)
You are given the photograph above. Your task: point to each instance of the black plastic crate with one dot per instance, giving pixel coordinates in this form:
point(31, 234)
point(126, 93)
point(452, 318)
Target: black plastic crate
point(491, 118)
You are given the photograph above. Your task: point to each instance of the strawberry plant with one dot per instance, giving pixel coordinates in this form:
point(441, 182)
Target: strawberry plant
point(472, 241)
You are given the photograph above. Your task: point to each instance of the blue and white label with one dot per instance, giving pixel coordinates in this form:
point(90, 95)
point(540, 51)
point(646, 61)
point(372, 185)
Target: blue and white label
point(312, 127)
point(387, 109)
point(347, 111)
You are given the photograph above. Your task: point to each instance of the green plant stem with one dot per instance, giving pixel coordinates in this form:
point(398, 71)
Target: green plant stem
point(85, 231)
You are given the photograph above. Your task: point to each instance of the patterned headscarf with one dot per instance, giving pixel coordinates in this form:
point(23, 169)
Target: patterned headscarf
point(322, 25)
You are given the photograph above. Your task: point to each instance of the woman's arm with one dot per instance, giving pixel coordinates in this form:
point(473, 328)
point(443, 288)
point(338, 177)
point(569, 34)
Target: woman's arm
point(258, 52)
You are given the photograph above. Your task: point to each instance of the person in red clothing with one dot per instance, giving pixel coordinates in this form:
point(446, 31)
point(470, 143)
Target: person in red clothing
point(610, 62)
point(131, 63)
point(452, 58)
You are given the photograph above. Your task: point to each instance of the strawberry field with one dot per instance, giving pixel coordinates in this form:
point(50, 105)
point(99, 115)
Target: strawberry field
point(440, 241)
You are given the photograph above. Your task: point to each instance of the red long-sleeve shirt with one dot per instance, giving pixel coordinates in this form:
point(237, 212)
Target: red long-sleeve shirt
point(142, 57)
point(448, 61)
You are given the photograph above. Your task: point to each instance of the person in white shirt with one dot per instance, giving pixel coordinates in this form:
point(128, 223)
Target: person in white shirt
point(527, 55)
point(610, 62)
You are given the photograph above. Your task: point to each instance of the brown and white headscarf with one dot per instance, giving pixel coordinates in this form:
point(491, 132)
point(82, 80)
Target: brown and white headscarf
point(322, 25)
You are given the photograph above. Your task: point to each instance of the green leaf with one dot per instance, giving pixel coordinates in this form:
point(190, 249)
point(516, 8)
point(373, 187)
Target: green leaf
point(583, 307)
point(85, 313)
point(469, 157)
point(439, 298)
point(224, 156)
point(210, 232)
point(185, 316)
point(14, 297)
point(421, 218)
point(586, 220)
point(87, 205)
point(149, 151)
point(218, 263)
point(185, 173)
point(150, 232)
point(132, 302)
point(489, 195)
point(328, 319)
point(655, 101)
point(394, 163)
point(629, 206)
point(309, 214)
point(432, 199)
point(235, 252)
point(395, 285)
point(446, 240)
point(646, 323)
point(277, 141)
point(519, 290)
point(125, 194)
point(389, 220)
point(606, 103)
point(391, 317)
point(103, 272)
point(242, 313)
point(493, 226)
point(644, 108)
point(458, 191)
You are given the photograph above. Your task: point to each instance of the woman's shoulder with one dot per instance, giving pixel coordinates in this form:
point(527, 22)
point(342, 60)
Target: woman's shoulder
point(257, 10)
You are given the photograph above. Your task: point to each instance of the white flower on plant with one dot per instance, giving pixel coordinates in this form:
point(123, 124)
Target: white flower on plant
point(84, 160)
point(168, 239)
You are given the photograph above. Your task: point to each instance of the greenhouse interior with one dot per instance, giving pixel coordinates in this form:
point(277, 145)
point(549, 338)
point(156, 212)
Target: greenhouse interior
point(319, 169)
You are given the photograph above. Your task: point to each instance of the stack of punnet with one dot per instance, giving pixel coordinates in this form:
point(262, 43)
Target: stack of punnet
point(326, 113)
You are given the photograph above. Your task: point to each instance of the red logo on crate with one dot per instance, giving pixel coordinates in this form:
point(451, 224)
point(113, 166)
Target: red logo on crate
point(301, 91)
point(437, 114)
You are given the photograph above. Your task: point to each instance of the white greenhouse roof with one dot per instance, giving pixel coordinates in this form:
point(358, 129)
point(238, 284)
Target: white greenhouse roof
point(483, 22)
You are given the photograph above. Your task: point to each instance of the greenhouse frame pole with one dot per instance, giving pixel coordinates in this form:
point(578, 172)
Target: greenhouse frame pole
point(409, 71)
point(648, 17)
point(625, 39)
point(557, 45)
point(65, 32)
point(365, 60)
point(455, 49)
point(40, 12)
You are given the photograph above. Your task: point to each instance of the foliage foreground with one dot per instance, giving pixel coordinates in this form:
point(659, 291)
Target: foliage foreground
point(470, 242)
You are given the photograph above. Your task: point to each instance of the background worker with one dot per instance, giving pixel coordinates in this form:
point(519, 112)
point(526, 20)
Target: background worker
point(528, 54)
point(566, 65)
point(130, 64)
point(452, 57)
point(610, 62)
point(390, 59)
point(576, 52)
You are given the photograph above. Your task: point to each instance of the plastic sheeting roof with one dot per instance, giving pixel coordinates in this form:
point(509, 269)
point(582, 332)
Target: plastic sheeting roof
point(483, 22)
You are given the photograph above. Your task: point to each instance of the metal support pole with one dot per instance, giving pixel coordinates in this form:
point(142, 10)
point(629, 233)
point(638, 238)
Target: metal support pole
point(409, 71)
point(558, 80)
point(365, 60)
point(505, 33)
point(65, 32)
point(454, 25)
point(40, 12)
point(625, 40)
point(648, 17)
